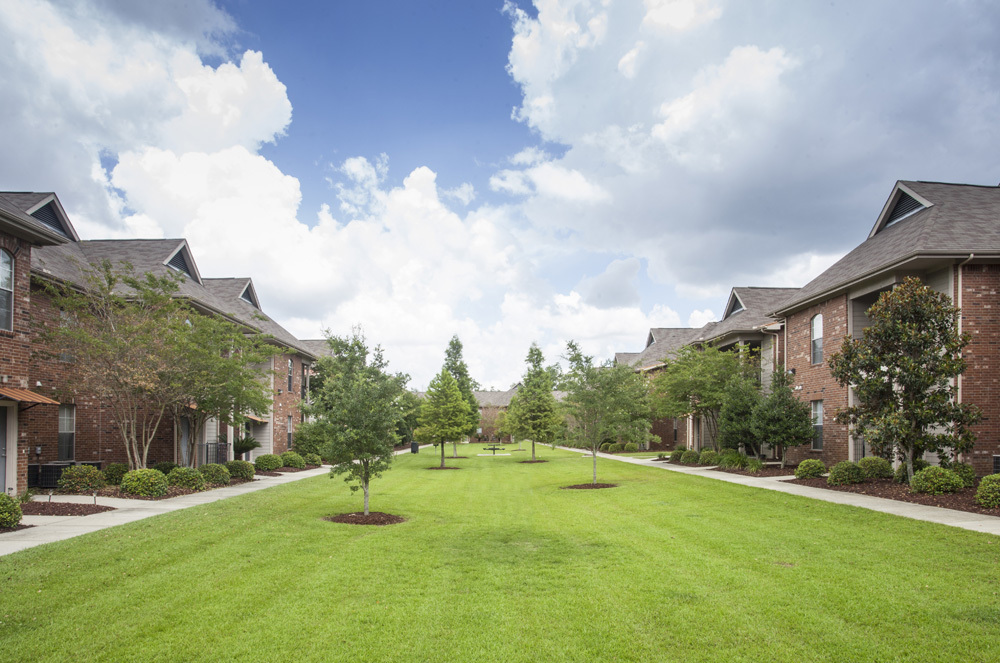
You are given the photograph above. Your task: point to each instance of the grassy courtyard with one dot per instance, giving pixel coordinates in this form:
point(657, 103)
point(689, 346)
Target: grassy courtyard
point(496, 563)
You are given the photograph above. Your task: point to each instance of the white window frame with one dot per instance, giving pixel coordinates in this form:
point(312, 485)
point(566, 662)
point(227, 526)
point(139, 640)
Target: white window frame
point(816, 341)
point(11, 274)
point(817, 416)
point(67, 426)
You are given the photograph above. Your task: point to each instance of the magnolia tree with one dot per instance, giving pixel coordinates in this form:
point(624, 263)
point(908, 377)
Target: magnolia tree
point(444, 414)
point(533, 413)
point(606, 402)
point(359, 406)
point(904, 371)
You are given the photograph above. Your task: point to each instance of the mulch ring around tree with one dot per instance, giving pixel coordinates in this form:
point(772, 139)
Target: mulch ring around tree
point(589, 486)
point(539, 460)
point(373, 518)
point(15, 528)
point(62, 509)
point(964, 500)
point(456, 457)
point(438, 467)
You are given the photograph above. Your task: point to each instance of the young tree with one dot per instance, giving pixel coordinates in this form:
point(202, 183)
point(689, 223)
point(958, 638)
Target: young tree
point(455, 365)
point(780, 419)
point(217, 374)
point(607, 402)
point(693, 383)
point(115, 326)
point(533, 413)
point(904, 371)
point(741, 397)
point(360, 405)
point(409, 404)
point(444, 414)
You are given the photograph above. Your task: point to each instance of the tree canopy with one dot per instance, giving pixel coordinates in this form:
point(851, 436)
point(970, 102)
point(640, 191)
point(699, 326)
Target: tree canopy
point(904, 371)
point(780, 419)
point(606, 402)
point(444, 414)
point(740, 398)
point(533, 413)
point(456, 366)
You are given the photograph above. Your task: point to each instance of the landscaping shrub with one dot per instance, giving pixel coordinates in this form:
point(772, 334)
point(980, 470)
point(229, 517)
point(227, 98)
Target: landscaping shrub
point(605, 446)
point(660, 456)
point(935, 481)
point(166, 467)
point(810, 469)
point(708, 457)
point(918, 464)
point(873, 467)
point(755, 465)
point(313, 459)
point(240, 469)
point(690, 457)
point(114, 472)
point(965, 473)
point(292, 459)
point(733, 460)
point(631, 447)
point(267, 463)
point(675, 455)
point(215, 473)
point(81, 479)
point(617, 447)
point(845, 472)
point(186, 477)
point(10, 511)
point(988, 493)
point(145, 483)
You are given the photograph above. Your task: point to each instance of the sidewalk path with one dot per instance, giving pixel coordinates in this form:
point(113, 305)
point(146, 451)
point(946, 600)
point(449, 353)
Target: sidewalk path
point(976, 522)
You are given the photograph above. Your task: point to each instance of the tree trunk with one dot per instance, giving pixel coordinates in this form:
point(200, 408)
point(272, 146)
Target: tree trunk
point(365, 488)
point(442, 453)
point(532, 450)
point(594, 453)
point(782, 457)
point(454, 449)
point(909, 465)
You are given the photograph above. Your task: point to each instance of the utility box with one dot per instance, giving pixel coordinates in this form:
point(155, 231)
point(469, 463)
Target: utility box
point(414, 447)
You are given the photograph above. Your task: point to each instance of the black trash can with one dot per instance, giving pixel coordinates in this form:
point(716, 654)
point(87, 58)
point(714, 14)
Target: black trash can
point(414, 447)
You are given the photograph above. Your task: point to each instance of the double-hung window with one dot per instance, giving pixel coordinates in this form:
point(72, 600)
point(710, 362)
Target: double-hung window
point(6, 290)
point(67, 432)
point(817, 417)
point(816, 338)
point(290, 366)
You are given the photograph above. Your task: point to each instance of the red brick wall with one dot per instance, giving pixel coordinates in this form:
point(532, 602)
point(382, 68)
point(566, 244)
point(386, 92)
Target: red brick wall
point(287, 402)
point(15, 348)
point(815, 380)
point(981, 381)
point(663, 429)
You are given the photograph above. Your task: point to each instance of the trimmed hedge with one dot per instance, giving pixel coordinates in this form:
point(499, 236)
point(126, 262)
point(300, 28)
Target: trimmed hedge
point(145, 483)
point(965, 473)
point(81, 479)
point(935, 481)
point(631, 447)
point(313, 459)
point(988, 493)
point(605, 447)
point(114, 472)
point(240, 469)
point(708, 457)
point(873, 467)
point(10, 511)
point(292, 459)
point(675, 455)
point(166, 467)
point(755, 465)
point(186, 477)
point(845, 472)
point(215, 473)
point(267, 463)
point(810, 469)
point(690, 457)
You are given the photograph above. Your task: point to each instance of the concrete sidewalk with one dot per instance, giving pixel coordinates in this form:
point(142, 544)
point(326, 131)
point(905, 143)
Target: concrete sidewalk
point(56, 528)
point(976, 522)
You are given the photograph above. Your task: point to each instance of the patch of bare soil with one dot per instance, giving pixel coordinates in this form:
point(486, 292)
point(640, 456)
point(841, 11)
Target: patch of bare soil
point(15, 528)
point(438, 467)
point(766, 472)
point(373, 518)
point(590, 486)
point(964, 500)
point(539, 460)
point(456, 457)
point(62, 509)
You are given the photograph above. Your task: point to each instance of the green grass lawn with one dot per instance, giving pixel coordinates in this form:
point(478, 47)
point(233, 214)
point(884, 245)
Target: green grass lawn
point(496, 563)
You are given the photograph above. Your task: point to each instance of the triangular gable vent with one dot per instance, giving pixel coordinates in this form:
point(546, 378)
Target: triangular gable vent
point(905, 206)
point(179, 263)
point(249, 297)
point(46, 214)
point(735, 306)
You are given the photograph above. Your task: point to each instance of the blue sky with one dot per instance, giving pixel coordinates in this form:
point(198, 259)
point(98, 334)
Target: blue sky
point(509, 172)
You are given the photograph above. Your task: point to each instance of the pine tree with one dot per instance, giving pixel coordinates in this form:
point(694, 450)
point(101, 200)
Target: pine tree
point(455, 365)
point(444, 414)
point(533, 412)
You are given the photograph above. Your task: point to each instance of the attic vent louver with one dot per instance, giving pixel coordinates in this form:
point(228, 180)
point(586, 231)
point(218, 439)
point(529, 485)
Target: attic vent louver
point(47, 215)
point(905, 206)
point(179, 263)
point(248, 297)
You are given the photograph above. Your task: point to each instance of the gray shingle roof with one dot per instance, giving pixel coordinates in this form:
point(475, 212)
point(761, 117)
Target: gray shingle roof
point(961, 219)
point(16, 221)
point(494, 398)
point(318, 346)
point(758, 303)
point(661, 342)
point(64, 262)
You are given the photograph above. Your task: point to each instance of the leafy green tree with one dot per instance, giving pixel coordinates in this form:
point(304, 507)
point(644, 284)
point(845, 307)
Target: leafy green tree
point(741, 397)
point(409, 404)
point(607, 402)
point(455, 365)
point(693, 383)
point(533, 412)
point(114, 326)
point(217, 374)
point(904, 371)
point(780, 419)
point(444, 414)
point(360, 405)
